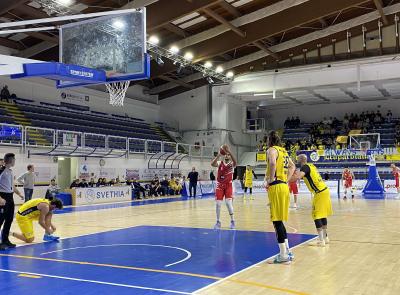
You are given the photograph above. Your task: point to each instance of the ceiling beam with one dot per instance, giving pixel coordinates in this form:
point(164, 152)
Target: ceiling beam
point(231, 9)
point(260, 45)
point(6, 5)
point(379, 7)
point(240, 21)
point(11, 44)
point(177, 81)
point(323, 22)
point(175, 29)
point(270, 26)
point(262, 28)
point(32, 12)
point(258, 56)
point(36, 49)
point(162, 12)
point(223, 21)
point(43, 37)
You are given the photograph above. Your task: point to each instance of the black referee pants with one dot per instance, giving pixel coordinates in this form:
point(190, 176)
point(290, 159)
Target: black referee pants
point(6, 215)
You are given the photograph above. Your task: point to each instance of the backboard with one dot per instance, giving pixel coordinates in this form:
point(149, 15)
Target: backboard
point(115, 44)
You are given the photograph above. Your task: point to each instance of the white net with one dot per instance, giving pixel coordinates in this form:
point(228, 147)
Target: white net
point(117, 91)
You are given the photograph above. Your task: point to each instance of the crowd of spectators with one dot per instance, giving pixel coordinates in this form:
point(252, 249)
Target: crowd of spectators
point(292, 123)
point(323, 135)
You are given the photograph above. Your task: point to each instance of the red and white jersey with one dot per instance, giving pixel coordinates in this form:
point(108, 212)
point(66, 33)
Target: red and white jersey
point(225, 173)
point(396, 174)
point(347, 175)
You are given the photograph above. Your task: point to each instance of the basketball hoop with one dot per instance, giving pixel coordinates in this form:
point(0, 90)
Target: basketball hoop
point(117, 91)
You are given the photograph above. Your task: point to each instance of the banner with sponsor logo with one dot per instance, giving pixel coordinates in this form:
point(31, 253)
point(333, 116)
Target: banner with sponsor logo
point(390, 186)
point(346, 155)
point(75, 97)
point(98, 195)
point(207, 187)
point(258, 187)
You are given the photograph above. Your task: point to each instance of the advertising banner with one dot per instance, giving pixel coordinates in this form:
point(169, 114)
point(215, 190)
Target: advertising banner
point(207, 187)
point(99, 195)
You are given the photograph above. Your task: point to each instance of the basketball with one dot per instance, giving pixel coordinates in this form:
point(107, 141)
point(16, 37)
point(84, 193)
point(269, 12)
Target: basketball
point(223, 149)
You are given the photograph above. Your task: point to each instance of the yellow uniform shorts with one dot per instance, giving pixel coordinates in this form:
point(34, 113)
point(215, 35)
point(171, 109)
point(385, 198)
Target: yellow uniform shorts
point(322, 205)
point(279, 199)
point(26, 226)
point(248, 183)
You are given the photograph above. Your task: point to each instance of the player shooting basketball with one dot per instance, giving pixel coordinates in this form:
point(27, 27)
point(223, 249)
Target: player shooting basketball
point(224, 183)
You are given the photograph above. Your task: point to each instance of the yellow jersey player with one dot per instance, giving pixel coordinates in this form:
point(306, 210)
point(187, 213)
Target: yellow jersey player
point(37, 210)
point(280, 168)
point(321, 205)
point(248, 181)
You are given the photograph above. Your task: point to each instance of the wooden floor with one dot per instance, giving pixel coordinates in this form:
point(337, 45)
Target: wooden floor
point(363, 257)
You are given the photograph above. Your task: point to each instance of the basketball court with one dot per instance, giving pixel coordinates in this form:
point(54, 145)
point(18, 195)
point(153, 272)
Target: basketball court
point(148, 249)
point(112, 243)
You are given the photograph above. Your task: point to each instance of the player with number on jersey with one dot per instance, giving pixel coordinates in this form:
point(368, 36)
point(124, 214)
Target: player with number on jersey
point(224, 188)
point(280, 168)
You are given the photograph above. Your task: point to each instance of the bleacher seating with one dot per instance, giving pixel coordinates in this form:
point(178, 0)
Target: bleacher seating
point(52, 116)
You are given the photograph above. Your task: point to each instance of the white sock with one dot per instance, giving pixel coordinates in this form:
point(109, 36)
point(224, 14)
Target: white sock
point(325, 233)
point(218, 209)
point(321, 235)
point(282, 250)
point(229, 205)
point(287, 244)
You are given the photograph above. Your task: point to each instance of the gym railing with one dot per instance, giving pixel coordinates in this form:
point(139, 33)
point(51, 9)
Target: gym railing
point(36, 137)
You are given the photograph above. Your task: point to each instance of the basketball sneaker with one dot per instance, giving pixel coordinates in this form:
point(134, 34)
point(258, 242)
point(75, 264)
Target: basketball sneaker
point(233, 226)
point(290, 254)
point(50, 238)
point(317, 243)
point(217, 225)
point(326, 240)
point(278, 259)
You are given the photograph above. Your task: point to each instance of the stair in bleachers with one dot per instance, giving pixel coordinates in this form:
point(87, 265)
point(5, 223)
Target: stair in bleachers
point(20, 119)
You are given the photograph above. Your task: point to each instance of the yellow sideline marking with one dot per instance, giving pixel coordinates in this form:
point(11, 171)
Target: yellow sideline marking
point(29, 276)
point(254, 284)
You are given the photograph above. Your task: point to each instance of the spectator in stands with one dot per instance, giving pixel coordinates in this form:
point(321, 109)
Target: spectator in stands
point(52, 190)
point(5, 94)
point(389, 116)
point(104, 182)
point(297, 122)
point(99, 182)
point(75, 184)
point(164, 183)
point(83, 183)
point(155, 187)
point(28, 181)
point(286, 124)
point(112, 182)
point(138, 188)
point(92, 183)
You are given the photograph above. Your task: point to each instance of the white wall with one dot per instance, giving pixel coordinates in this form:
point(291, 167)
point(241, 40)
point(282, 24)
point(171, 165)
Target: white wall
point(315, 113)
point(45, 90)
point(188, 110)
